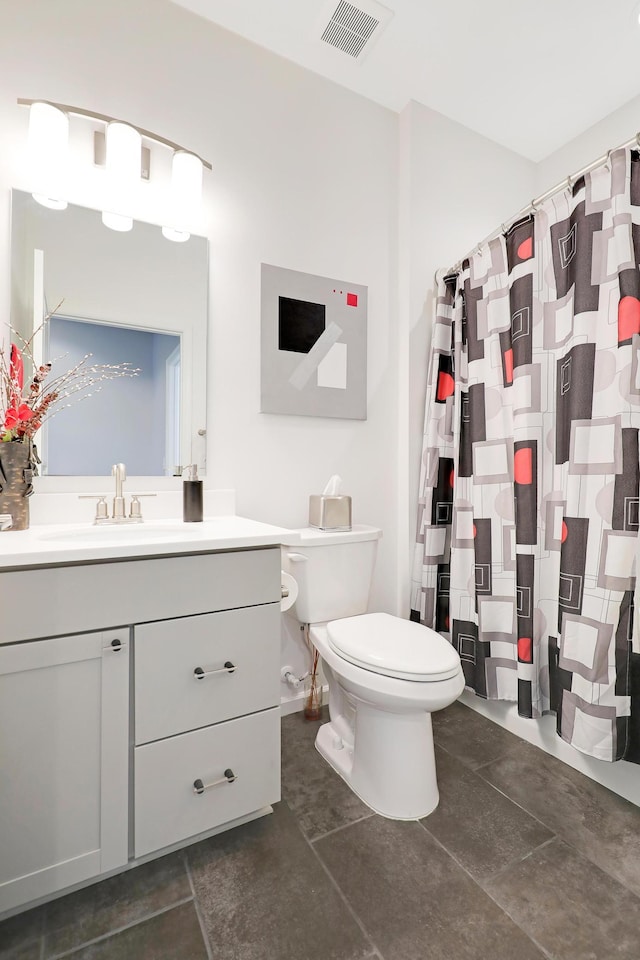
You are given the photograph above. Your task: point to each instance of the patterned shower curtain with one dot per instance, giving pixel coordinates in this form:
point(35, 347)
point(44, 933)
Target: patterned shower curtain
point(529, 493)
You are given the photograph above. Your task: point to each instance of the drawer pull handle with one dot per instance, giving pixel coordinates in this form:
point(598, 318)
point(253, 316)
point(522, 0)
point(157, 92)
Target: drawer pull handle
point(200, 674)
point(116, 645)
point(199, 787)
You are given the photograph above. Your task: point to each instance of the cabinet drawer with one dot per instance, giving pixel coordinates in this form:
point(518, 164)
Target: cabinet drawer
point(168, 808)
point(135, 591)
point(181, 681)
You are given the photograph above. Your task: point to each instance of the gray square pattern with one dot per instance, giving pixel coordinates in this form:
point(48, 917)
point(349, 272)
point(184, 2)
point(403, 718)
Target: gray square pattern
point(523, 858)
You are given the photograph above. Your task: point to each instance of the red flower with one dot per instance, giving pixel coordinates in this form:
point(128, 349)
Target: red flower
point(16, 373)
point(16, 415)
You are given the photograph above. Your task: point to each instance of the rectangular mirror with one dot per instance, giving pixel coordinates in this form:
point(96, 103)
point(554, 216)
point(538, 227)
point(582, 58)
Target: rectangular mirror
point(131, 297)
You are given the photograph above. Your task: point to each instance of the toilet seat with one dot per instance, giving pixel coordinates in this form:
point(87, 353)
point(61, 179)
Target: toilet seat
point(393, 647)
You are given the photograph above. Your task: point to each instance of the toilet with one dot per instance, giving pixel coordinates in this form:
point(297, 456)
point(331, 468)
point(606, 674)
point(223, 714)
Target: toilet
point(386, 675)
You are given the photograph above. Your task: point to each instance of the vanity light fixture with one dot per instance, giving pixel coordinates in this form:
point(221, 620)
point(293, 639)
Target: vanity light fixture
point(123, 148)
point(186, 193)
point(48, 148)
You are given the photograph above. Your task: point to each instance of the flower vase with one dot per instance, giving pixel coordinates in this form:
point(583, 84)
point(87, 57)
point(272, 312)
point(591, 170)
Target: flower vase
point(18, 460)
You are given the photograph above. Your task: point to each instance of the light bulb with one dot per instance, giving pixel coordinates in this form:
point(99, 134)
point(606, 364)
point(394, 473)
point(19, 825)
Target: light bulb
point(123, 153)
point(115, 221)
point(178, 236)
point(186, 194)
point(48, 148)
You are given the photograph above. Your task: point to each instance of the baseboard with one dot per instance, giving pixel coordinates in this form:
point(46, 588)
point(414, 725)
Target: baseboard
point(296, 703)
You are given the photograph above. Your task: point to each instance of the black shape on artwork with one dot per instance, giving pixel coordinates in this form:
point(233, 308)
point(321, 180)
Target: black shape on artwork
point(300, 324)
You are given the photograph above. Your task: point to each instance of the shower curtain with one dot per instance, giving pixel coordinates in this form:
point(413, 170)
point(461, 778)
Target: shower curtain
point(529, 492)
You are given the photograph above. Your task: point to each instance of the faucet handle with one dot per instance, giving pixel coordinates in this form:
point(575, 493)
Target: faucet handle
point(102, 511)
point(135, 511)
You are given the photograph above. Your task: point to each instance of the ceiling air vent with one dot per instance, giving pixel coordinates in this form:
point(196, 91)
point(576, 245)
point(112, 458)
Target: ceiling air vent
point(351, 28)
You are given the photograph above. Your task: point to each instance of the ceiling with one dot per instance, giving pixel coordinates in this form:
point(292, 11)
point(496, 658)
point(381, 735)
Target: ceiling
point(529, 74)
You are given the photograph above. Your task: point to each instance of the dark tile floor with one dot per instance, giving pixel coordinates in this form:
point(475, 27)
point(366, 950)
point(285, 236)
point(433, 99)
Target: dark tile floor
point(524, 859)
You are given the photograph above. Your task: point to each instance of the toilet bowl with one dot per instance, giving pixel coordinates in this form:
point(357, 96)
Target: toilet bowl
point(386, 675)
point(379, 736)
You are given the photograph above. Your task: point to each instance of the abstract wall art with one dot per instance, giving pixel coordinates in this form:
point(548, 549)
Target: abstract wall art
point(313, 346)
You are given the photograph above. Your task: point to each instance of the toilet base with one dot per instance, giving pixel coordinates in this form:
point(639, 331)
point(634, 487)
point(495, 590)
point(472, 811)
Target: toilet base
point(390, 765)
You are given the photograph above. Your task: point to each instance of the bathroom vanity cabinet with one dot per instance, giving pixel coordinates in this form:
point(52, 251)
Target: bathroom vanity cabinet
point(139, 709)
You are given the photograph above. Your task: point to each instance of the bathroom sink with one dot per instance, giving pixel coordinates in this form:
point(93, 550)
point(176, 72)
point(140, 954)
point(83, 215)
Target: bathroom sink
point(139, 532)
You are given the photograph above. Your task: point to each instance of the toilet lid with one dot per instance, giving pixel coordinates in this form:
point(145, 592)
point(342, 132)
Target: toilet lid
point(393, 647)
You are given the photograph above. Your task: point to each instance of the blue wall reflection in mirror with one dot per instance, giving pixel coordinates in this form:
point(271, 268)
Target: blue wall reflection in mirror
point(135, 415)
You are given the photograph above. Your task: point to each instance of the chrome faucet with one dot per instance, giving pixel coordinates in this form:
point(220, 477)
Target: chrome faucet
point(119, 471)
point(118, 513)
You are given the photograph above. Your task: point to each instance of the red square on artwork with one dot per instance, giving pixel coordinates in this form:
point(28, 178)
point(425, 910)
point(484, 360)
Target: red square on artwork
point(352, 299)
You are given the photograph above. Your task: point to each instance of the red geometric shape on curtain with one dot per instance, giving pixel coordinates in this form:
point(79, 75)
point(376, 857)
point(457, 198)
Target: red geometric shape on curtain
point(446, 386)
point(523, 465)
point(628, 318)
point(525, 250)
point(508, 367)
point(525, 650)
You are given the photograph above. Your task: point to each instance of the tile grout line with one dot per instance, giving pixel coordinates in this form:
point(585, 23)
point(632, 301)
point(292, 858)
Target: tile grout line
point(497, 872)
point(42, 933)
point(480, 766)
point(501, 792)
point(344, 826)
point(557, 834)
point(334, 883)
point(512, 863)
point(563, 838)
point(117, 930)
point(196, 904)
point(486, 892)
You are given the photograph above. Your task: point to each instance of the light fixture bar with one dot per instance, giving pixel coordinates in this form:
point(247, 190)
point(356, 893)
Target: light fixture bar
point(103, 118)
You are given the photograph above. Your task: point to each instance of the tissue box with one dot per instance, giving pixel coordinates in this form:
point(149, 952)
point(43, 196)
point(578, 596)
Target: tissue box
point(330, 511)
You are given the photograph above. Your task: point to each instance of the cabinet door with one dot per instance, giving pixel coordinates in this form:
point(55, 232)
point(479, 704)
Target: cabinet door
point(64, 707)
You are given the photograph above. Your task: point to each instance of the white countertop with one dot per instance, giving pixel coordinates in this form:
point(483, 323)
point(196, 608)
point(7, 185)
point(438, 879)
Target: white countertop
point(51, 544)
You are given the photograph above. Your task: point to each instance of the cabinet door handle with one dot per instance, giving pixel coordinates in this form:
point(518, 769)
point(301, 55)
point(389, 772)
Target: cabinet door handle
point(200, 674)
point(199, 787)
point(116, 645)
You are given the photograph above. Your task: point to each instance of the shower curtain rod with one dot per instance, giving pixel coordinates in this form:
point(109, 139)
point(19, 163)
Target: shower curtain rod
point(535, 203)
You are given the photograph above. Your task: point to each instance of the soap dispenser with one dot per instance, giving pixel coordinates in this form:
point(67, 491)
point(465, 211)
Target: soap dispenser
point(192, 496)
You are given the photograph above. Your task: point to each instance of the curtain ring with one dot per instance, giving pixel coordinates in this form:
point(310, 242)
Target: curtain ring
point(607, 163)
point(569, 182)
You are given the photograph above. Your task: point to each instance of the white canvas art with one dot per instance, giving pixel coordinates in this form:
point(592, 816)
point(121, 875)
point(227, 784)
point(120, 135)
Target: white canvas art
point(314, 345)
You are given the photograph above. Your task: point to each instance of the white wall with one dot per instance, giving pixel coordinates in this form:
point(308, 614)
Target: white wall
point(617, 128)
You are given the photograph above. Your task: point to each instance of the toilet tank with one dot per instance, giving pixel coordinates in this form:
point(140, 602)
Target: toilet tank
point(333, 571)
